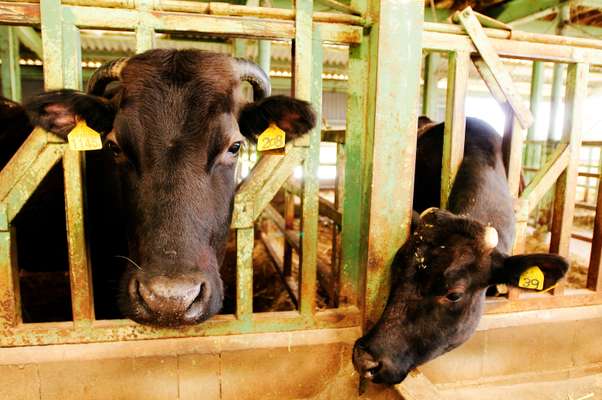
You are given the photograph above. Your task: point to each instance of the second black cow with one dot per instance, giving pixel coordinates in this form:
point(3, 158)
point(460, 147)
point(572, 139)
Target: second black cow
point(442, 272)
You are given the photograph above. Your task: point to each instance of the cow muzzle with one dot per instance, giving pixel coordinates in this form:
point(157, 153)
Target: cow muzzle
point(172, 301)
point(375, 368)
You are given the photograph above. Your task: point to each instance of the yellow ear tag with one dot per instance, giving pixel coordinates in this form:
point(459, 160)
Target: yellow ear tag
point(531, 278)
point(272, 138)
point(82, 137)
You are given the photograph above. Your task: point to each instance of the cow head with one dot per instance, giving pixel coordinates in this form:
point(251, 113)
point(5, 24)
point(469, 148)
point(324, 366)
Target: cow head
point(441, 275)
point(173, 123)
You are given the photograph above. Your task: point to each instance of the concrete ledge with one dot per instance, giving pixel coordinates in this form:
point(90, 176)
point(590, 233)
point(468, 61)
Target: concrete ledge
point(521, 318)
point(172, 347)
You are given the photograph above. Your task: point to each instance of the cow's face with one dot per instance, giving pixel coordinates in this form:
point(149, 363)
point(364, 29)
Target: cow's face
point(441, 275)
point(178, 126)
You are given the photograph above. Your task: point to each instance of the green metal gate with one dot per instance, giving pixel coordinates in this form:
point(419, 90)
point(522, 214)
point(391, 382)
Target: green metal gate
point(379, 69)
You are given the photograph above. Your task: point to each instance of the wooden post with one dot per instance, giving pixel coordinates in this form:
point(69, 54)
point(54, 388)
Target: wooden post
point(564, 206)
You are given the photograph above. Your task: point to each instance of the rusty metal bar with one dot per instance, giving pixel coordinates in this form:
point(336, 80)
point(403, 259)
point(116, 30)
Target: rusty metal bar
point(398, 71)
point(308, 85)
point(126, 330)
point(80, 275)
point(10, 306)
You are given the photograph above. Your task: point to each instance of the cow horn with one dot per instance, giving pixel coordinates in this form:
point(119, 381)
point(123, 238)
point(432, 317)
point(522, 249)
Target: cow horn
point(428, 211)
point(256, 76)
point(105, 74)
point(490, 238)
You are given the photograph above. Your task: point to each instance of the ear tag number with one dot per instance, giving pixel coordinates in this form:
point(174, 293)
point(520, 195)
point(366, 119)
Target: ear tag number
point(271, 139)
point(82, 137)
point(531, 278)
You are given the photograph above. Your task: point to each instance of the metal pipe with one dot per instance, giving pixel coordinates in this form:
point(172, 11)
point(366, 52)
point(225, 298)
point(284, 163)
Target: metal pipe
point(429, 90)
point(518, 36)
point(215, 8)
point(531, 157)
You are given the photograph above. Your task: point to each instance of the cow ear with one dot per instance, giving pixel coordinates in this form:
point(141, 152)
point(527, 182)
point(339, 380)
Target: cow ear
point(508, 270)
point(293, 116)
point(58, 111)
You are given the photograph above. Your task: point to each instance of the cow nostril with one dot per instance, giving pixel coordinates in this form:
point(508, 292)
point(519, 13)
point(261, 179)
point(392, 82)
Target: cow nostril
point(371, 371)
point(200, 298)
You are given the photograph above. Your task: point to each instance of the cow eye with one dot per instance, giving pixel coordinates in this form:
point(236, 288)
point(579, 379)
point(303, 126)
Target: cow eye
point(454, 296)
point(114, 148)
point(234, 148)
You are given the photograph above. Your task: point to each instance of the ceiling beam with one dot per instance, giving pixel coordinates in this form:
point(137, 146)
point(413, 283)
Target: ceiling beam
point(523, 10)
point(588, 3)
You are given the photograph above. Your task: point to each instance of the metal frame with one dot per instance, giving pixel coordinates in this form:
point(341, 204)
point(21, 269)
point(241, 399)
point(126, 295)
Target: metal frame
point(60, 23)
point(561, 166)
point(379, 144)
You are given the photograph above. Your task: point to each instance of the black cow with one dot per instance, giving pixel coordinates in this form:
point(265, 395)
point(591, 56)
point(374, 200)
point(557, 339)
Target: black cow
point(161, 191)
point(442, 272)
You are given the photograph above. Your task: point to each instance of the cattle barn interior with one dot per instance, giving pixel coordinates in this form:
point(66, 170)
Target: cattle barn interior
point(315, 228)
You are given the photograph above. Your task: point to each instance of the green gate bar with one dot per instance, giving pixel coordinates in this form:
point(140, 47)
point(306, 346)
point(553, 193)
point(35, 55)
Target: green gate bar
point(11, 70)
point(532, 152)
point(429, 91)
point(394, 149)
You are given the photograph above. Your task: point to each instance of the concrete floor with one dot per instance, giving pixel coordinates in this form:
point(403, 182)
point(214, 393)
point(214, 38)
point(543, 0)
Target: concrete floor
point(582, 388)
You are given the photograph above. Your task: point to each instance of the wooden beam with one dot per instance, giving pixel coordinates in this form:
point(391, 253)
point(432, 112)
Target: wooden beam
point(494, 63)
point(518, 9)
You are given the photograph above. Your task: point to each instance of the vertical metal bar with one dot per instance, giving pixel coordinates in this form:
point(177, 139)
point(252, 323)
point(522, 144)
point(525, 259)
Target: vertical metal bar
point(531, 156)
point(339, 195)
point(11, 70)
point(308, 85)
point(145, 37)
point(10, 306)
point(429, 91)
point(556, 101)
point(289, 223)
point(455, 121)
point(398, 71)
point(52, 42)
point(72, 57)
point(244, 273)
point(303, 49)
point(594, 275)
point(265, 55)
point(80, 276)
point(564, 206)
point(63, 69)
point(513, 147)
point(356, 207)
point(145, 32)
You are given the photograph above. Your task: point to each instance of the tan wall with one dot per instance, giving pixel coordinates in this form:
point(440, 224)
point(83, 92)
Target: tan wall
point(514, 354)
point(146, 370)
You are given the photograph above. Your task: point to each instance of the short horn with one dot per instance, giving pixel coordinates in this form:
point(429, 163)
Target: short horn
point(256, 76)
point(105, 74)
point(491, 238)
point(428, 211)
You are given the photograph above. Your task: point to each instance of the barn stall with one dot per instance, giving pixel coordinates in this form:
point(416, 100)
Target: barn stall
point(329, 53)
